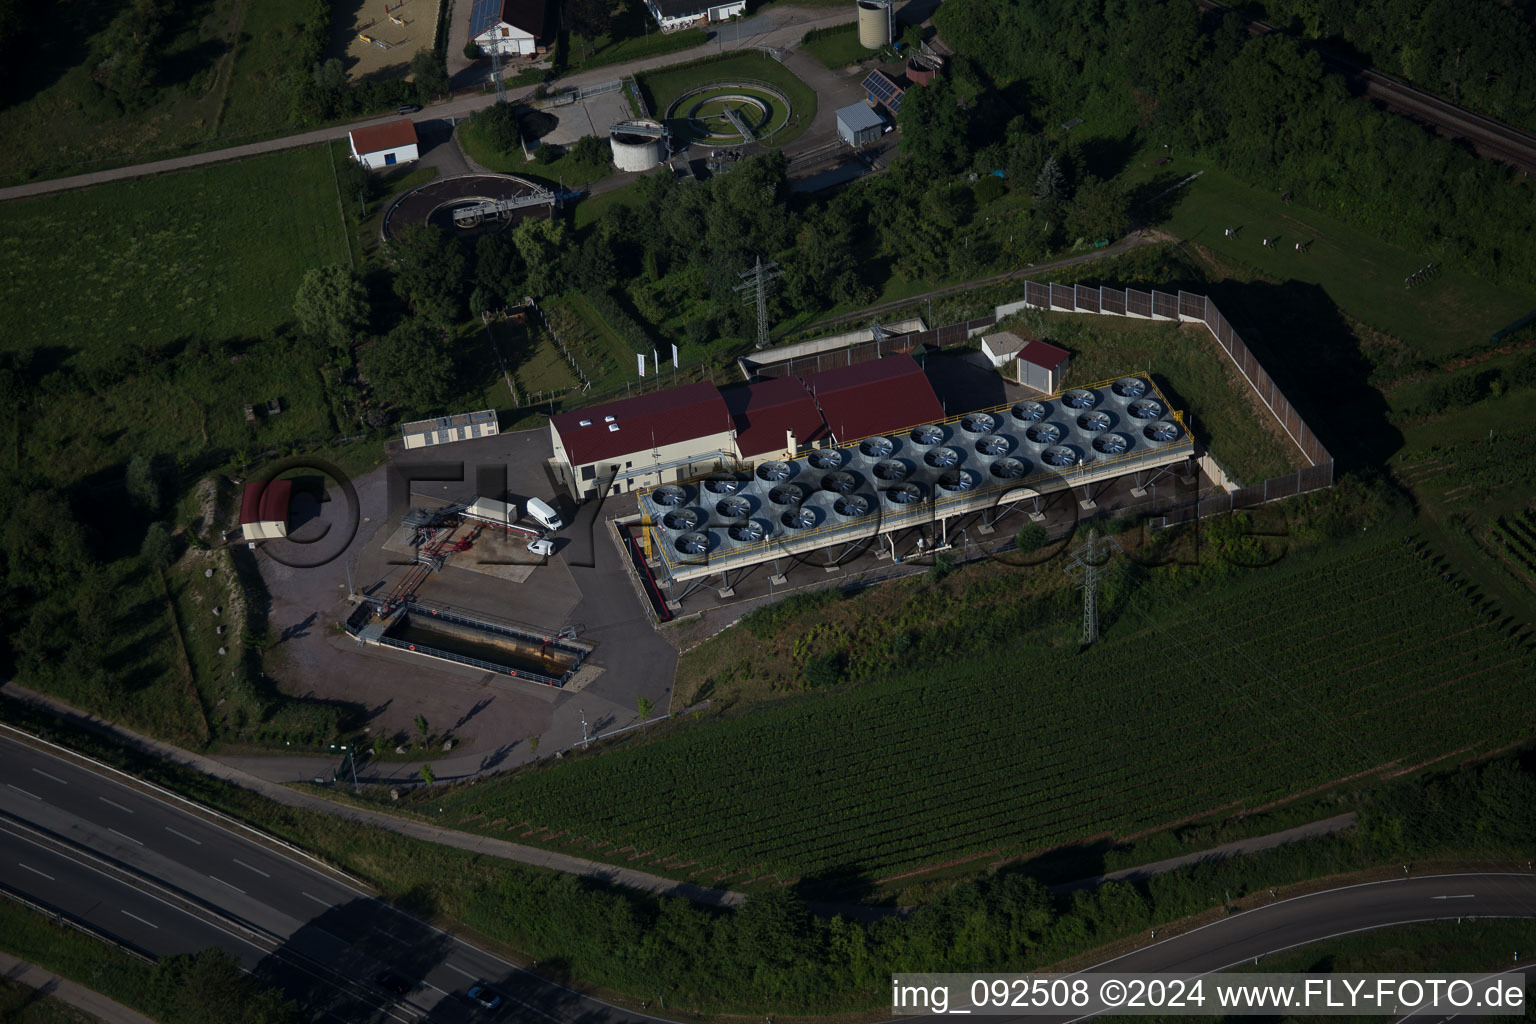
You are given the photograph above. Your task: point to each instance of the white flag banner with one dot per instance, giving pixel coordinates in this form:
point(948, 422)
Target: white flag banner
point(640, 359)
point(674, 355)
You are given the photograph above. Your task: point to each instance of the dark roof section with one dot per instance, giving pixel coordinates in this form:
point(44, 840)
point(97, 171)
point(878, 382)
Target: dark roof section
point(878, 397)
point(266, 502)
point(681, 8)
point(528, 15)
point(765, 410)
point(644, 422)
point(1044, 354)
point(389, 135)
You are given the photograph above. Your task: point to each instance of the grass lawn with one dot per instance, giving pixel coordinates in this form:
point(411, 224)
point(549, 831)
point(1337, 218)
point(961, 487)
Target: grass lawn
point(568, 169)
point(1364, 276)
point(635, 42)
point(663, 87)
point(1225, 414)
point(213, 253)
point(590, 209)
point(544, 369)
point(839, 49)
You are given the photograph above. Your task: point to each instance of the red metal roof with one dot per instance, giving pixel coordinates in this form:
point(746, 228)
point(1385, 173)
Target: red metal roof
point(765, 410)
point(266, 502)
point(378, 137)
point(645, 422)
point(877, 397)
point(1044, 354)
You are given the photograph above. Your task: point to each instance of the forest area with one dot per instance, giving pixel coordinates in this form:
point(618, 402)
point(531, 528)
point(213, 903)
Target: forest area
point(1263, 108)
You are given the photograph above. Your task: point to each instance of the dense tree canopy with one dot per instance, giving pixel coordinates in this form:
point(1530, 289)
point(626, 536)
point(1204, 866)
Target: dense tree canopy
point(331, 304)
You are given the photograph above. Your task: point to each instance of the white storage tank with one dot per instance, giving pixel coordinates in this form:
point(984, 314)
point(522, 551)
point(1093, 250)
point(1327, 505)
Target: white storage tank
point(638, 150)
point(874, 24)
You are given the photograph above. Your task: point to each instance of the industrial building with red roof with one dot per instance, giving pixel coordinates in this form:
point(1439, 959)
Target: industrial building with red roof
point(634, 439)
point(684, 432)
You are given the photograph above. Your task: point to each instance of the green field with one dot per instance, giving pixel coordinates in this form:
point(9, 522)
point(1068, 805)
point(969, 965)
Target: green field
point(212, 253)
point(151, 295)
point(1364, 276)
point(661, 88)
point(1004, 751)
point(838, 49)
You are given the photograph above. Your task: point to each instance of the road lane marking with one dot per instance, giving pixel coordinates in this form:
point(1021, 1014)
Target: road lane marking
point(23, 792)
point(183, 835)
point(114, 803)
point(458, 970)
point(221, 881)
point(247, 867)
point(126, 836)
point(36, 872)
point(55, 778)
point(392, 938)
point(1465, 896)
point(139, 919)
point(317, 899)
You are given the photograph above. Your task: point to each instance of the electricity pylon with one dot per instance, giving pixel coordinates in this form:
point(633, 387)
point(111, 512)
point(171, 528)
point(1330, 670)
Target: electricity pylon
point(754, 285)
point(1087, 564)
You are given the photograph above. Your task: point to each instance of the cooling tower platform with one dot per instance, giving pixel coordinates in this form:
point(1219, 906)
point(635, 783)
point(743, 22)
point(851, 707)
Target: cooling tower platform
point(853, 494)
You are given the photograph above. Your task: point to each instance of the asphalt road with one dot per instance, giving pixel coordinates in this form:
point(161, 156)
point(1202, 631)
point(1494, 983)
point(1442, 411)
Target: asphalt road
point(163, 879)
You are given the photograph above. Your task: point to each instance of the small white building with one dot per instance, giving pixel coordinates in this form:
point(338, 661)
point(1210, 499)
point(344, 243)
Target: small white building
point(1042, 366)
point(642, 441)
point(859, 125)
point(1000, 348)
point(512, 28)
point(384, 145)
point(446, 429)
point(673, 15)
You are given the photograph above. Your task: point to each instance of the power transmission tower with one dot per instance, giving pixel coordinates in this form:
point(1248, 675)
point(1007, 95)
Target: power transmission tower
point(501, 87)
point(754, 284)
point(1088, 563)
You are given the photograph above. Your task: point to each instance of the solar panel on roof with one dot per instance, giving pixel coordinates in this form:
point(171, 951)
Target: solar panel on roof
point(483, 15)
point(880, 87)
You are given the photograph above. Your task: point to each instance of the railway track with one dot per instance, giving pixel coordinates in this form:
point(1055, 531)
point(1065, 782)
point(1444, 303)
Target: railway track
point(1487, 137)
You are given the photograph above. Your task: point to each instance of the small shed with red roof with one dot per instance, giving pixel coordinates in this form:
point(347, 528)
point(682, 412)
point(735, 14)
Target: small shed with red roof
point(1042, 366)
point(264, 509)
point(642, 441)
point(384, 145)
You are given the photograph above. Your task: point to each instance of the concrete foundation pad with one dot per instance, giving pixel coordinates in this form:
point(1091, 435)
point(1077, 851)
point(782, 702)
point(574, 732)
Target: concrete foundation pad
point(1037, 517)
point(1087, 505)
point(984, 529)
point(583, 676)
point(1138, 492)
point(882, 553)
point(725, 591)
point(830, 568)
point(778, 581)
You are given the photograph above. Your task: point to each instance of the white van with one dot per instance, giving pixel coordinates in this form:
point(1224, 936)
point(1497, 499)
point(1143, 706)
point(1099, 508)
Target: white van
point(547, 517)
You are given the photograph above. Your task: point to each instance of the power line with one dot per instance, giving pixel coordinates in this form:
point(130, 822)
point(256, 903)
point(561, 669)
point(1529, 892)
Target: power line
point(754, 285)
point(1088, 563)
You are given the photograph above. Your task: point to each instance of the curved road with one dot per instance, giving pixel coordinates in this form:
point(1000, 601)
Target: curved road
point(165, 876)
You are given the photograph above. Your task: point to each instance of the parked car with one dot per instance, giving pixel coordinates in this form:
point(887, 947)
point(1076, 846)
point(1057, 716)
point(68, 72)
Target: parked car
point(394, 981)
point(541, 547)
point(486, 997)
point(546, 516)
point(407, 108)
